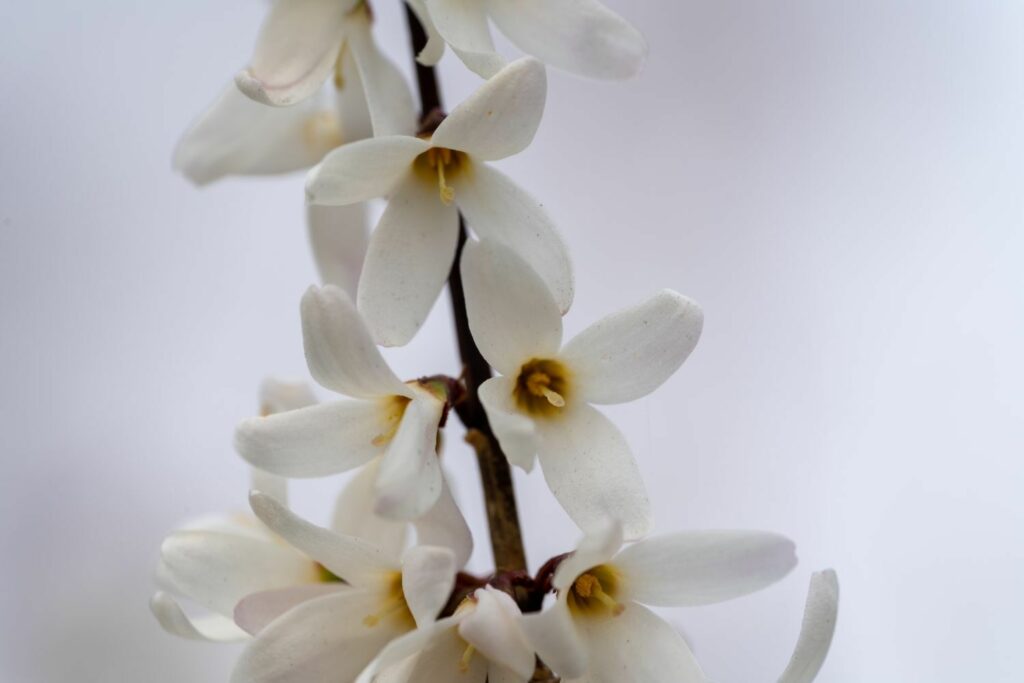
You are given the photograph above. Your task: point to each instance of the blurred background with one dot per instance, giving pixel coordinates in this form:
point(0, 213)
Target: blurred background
point(838, 184)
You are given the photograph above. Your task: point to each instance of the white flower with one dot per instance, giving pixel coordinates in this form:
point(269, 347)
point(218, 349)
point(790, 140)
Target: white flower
point(385, 417)
point(581, 36)
point(817, 629)
point(429, 181)
point(541, 402)
point(598, 631)
point(333, 637)
point(482, 640)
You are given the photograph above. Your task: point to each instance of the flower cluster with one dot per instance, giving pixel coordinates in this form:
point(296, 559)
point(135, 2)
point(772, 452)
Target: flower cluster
point(379, 594)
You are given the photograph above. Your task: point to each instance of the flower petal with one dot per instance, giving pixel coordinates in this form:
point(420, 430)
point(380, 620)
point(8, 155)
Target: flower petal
point(512, 315)
point(323, 640)
point(296, 51)
point(217, 570)
point(410, 255)
point(463, 25)
point(703, 567)
point(515, 431)
point(597, 546)
point(281, 395)
point(255, 611)
point(350, 100)
point(354, 513)
point(443, 525)
point(409, 480)
point(338, 235)
point(581, 36)
point(173, 619)
point(498, 209)
point(339, 350)
point(315, 441)
point(637, 646)
point(434, 49)
point(358, 562)
point(387, 94)
point(494, 628)
point(554, 636)
point(629, 354)
point(817, 629)
point(410, 646)
point(589, 467)
point(437, 651)
point(363, 170)
point(501, 117)
point(428, 577)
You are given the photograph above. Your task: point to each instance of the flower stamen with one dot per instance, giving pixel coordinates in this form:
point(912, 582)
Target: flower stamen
point(589, 586)
point(393, 605)
point(539, 384)
point(467, 657)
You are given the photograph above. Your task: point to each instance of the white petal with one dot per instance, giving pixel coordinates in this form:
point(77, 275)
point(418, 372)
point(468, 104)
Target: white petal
point(428, 577)
point(354, 513)
point(409, 481)
point(581, 36)
point(411, 645)
point(237, 136)
point(315, 441)
point(339, 350)
point(702, 567)
point(501, 117)
point(217, 570)
point(499, 210)
point(554, 636)
point(255, 611)
point(323, 640)
point(515, 431)
point(494, 628)
point(817, 629)
point(350, 100)
point(410, 255)
point(437, 651)
point(443, 525)
point(463, 25)
point(591, 471)
point(597, 546)
point(638, 646)
point(434, 49)
point(363, 170)
point(296, 51)
point(355, 561)
point(280, 395)
point(270, 484)
point(512, 315)
point(629, 354)
point(235, 524)
point(213, 627)
point(338, 236)
point(387, 94)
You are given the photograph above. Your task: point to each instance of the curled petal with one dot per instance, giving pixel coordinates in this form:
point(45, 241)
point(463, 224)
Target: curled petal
point(255, 611)
point(494, 628)
point(463, 25)
point(387, 95)
point(363, 170)
point(817, 629)
point(173, 619)
point(428, 576)
point(434, 49)
point(409, 480)
point(554, 636)
point(597, 546)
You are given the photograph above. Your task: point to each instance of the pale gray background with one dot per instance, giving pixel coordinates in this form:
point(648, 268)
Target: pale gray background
point(838, 183)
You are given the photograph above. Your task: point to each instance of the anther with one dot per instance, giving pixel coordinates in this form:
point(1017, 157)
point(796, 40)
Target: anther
point(539, 384)
point(589, 586)
point(467, 657)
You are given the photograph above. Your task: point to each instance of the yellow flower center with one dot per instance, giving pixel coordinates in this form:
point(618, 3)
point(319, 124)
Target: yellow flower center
point(443, 164)
point(594, 592)
point(393, 606)
point(542, 387)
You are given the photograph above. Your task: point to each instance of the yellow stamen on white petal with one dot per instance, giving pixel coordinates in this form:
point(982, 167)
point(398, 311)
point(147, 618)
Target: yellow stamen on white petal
point(594, 592)
point(542, 387)
point(467, 657)
point(441, 163)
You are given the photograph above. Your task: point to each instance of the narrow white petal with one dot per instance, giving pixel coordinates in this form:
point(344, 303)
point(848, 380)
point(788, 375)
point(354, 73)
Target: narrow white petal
point(498, 209)
point(501, 117)
point(315, 441)
point(363, 170)
point(339, 349)
point(409, 480)
point(358, 562)
point(443, 525)
point(702, 567)
point(434, 49)
point(296, 51)
point(598, 546)
point(350, 100)
point(387, 94)
point(512, 314)
point(408, 261)
point(254, 612)
point(323, 640)
point(629, 354)
point(581, 36)
point(354, 513)
point(591, 471)
point(410, 646)
point(463, 25)
point(494, 628)
point(281, 395)
point(817, 629)
point(217, 570)
point(554, 636)
point(436, 651)
point(638, 646)
point(338, 236)
point(516, 432)
point(428, 577)
point(213, 627)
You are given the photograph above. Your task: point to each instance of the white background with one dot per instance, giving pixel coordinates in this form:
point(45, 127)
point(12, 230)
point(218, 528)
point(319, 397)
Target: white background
point(838, 183)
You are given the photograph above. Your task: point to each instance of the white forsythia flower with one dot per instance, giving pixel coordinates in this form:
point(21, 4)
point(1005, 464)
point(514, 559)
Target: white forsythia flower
point(385, 417)
point(482, 640)
point(817, 629)
point(333, 637)
point(581, 36)
point(541, 403)
point(429, 180)
point(597, 631)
